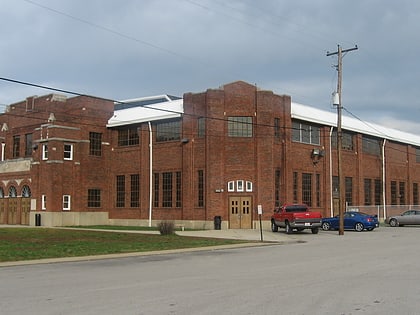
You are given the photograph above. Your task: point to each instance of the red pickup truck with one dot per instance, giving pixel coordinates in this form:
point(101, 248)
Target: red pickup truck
point(295, 216)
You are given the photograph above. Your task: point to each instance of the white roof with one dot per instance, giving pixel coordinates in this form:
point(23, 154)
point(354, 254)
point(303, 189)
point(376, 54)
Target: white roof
point(165, 109)
point(315, 115)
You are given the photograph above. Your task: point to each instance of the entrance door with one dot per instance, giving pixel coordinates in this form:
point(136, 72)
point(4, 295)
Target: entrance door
point(240, 212)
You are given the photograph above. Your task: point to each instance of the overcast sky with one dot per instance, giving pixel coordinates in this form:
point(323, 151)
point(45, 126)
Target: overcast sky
point(122, 49)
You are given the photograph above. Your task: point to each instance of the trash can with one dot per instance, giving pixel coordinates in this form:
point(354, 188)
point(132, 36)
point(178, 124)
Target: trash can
point(37, 219)
point(217, 222)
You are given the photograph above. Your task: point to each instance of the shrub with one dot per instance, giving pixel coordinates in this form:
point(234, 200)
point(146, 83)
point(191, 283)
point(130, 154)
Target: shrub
point(166, 227)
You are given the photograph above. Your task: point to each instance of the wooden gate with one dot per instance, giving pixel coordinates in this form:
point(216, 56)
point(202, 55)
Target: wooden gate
point(240, 212)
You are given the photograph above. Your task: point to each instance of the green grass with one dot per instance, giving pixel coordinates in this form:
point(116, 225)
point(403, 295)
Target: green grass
point(37, 243)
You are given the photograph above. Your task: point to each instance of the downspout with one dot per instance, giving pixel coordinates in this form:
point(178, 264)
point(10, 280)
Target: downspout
point(150, 173)
point(331, 176)
point(383, 178)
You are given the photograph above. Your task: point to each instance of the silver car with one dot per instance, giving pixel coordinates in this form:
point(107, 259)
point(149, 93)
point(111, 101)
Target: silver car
point(409, 217)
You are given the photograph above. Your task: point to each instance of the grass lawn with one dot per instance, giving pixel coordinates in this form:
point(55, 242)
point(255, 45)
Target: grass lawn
point(37, 243)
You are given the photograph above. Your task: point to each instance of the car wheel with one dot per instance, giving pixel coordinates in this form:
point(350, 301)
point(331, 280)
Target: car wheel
point(315, 230)
point(274, 227)
point(326, 226)
point(393, 222)
point(289, 229)
point(359, 227)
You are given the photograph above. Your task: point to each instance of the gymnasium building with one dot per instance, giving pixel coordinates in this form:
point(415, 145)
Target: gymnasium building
point(218, 155)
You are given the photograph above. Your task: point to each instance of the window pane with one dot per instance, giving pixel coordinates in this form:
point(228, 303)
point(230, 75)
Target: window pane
point(240, 127)
point(168, 131)
point(167, 190)
point(120, 202)
point(94, 198)
point(95, 145)
point(135, 190)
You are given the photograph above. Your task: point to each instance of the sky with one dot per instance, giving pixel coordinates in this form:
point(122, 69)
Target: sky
point(124, 49)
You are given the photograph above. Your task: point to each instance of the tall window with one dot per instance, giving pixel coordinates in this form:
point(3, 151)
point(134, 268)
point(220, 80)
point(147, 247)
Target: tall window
point(240, 126)
point(393, 192)
point(418, 155)
point(167, 190)
point(295, 187)
point(120, 202)
point(335, 187)
point(43, 202)
point(45, 151)
point(318, 190)
point(200, 188)
point(402, 193)
point(371, 145)
point(168, 131)
point(277, 128)
point(178, 201)
point(415, 194)
point(378, 192)
point(201, 126)
point(68, 151)
point(66, 202)
point(135, 190)
point(368, 191)
point(349, 190)
point(156, 190)
point(16, 146)
point(28, 144)
point(94, 198)
point(305, 133)
point(346, 140)
point(95, 144)
point(307, 189)
point(277, 201)
point(128, 137)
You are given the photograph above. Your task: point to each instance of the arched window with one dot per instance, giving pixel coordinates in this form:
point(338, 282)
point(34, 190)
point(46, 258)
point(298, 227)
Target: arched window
point(1, 192)
point(12, 192)
point(26, 191)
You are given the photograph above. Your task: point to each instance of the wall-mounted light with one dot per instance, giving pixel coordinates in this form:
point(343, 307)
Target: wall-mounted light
point(316, 154)
point(185, 140)
point(52, 118)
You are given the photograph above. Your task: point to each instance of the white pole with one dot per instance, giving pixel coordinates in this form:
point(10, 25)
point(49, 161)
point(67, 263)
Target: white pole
point(150, 173)
point(383, 178)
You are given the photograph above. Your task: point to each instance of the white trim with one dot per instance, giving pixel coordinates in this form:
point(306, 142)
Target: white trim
point(43, 202)
point(239, 185)
point(66, 202)
point(71, 152)
point(248, 186)
point(231, 186)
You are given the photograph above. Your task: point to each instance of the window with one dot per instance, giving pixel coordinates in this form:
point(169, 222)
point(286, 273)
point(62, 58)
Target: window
point(201, 126)
point(135, 191)
point(371, 145)
point(12, 192)
point(248, 186)
point(418, 155)
point(335, 187)
point(240, 185)
point(26, 191)
point(307, 189)
point(168, 131)
point(402, 193)
point(240, 127)
point(167, 190)
point(95, 144)
point(68, 151)
point(295, 187)
point(178, 201)
point(305, 133)
point(415, 194)
point(378, 192)
point(156, 190)
point(1, 192)
point(349, 190)
point(200, 188)
point(277, 202)
point(45, 151)
point(231, 186)
point(28, 144)
point(346, 140)
point(120, 193)
point(16, 146)
point(277, 128)
point(43, 202)
point(94, 198)
point(368, 191)
point(66, 202)
point(393, 192)
point(318, 190)
point(128, 137)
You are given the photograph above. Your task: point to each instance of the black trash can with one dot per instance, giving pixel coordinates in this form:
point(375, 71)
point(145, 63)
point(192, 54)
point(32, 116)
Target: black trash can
point(217, 222)
point(37, 219)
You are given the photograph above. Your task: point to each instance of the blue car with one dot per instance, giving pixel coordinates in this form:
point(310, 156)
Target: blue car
point(357, 221)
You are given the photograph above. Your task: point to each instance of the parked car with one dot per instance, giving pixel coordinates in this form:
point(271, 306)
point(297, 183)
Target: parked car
point(358, 221)
point(409, 217)
point(295, 217)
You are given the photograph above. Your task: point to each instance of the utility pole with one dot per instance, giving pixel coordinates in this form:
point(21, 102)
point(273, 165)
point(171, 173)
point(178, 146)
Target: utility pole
point(337, 102)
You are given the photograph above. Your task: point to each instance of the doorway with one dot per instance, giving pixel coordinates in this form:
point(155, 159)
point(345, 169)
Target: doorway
point(240, 212)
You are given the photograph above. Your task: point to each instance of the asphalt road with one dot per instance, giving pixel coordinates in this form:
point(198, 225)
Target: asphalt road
point(357, 273)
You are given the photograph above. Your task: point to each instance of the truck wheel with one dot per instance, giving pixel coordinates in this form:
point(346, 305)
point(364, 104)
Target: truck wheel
point(289, 229)
point(315, 230)
point(274, 227)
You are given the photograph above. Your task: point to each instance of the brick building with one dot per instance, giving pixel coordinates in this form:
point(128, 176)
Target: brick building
point(219, 153)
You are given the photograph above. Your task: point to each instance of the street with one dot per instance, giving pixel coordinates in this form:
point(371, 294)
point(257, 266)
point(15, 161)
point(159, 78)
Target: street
point(356, 273)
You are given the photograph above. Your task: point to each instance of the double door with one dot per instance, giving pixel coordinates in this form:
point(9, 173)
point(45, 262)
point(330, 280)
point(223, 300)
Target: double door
point(240, 212)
